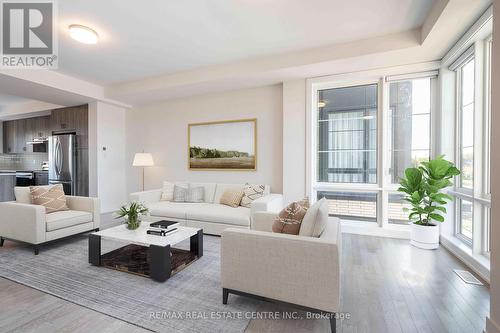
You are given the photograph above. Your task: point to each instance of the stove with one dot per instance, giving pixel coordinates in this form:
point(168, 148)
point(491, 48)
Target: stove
point(25, 178)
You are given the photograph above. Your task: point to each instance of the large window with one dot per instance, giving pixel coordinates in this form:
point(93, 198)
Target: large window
point(409, 124)
point(347, 135)
point(472, 187)
point(466, 123)
point(357, 168)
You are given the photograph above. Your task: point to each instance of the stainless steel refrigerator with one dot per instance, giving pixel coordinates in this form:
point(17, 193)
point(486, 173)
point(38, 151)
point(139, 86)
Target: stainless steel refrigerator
point(62, 164)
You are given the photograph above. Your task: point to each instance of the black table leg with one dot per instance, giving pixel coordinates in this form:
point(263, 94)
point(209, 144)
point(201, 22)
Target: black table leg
point(95, 249)
point(196, 244)
point(160, 266)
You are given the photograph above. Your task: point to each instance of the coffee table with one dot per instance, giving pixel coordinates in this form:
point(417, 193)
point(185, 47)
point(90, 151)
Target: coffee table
point(146, 255)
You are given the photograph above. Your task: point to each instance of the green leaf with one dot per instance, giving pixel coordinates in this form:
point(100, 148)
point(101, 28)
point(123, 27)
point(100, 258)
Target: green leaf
point(440, 208)
point(436, 217)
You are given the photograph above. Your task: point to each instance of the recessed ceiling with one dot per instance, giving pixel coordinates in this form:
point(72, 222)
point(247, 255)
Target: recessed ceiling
point(150, 38)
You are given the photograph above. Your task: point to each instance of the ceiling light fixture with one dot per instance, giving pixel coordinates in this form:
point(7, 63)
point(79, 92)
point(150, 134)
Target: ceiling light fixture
point(83, 34)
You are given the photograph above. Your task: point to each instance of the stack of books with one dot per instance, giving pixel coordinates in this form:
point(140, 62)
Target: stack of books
point(163, 228)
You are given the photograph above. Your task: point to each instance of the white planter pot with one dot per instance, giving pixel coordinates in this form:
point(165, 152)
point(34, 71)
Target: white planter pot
point(425, 237)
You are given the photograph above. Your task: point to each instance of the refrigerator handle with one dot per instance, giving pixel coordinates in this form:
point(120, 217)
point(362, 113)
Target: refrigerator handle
point(60, 157)
point(57, 157)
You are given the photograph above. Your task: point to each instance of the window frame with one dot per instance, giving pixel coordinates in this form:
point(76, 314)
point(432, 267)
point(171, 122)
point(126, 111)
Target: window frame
point(383, 187)
point(479, 195)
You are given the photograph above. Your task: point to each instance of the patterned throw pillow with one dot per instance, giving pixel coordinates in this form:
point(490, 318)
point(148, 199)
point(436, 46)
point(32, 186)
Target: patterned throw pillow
point(180, 193)
point(52, 198)
point(167, 192)
point(251, 193)
point(195, 194)
point(232, 197)
point(289, 219)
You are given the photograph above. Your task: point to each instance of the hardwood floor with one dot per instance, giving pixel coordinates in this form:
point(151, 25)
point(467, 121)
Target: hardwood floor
point(387, 286)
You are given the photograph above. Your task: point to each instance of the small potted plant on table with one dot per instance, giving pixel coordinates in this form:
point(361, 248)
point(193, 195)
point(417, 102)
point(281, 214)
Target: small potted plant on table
point(423, 188)
point(132, 214)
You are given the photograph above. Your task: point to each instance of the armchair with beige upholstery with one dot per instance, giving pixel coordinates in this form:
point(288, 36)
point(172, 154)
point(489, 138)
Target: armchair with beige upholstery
point(302, 271)
point(22, 221)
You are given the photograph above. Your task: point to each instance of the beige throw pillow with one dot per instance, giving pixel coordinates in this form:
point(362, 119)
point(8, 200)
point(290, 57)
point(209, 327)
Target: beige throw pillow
point(52, 198)
point(289, 219)
point(315, 220)
point(231, 197)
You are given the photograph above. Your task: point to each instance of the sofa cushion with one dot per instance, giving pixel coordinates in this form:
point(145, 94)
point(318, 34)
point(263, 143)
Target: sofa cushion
point(232, 197)
point(218, 213)
point(251, 193)
point(23, 193)
point(180, 193)
point(289, 219)
point(209, 190)
point(52, 198)
point(67, 218)
point(315, 220)
point(195, 194)
point(167, 191)
point(221, 188)
point(175, 210)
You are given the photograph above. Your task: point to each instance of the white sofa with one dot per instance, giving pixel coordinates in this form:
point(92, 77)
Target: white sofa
point(209, 215)
point(301, 271)
point(22, 221)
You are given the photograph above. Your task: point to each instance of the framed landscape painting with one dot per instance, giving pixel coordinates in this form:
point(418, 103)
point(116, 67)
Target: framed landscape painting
point(223, 145)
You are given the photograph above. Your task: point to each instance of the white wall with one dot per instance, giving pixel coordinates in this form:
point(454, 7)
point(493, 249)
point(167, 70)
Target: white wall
point(493, 322)
point(294, 140)
point(107, 155)
point(161, 129)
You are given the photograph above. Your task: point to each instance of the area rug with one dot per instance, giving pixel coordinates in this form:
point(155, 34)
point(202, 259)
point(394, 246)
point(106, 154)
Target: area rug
point(190, 301)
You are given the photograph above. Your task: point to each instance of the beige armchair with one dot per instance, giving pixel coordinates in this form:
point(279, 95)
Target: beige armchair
point(301, 271)
point(22, 221)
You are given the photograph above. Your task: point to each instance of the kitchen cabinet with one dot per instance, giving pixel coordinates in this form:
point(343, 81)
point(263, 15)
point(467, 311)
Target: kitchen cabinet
point(18, 132)
point(9, 137)
point(70, 119)
point(7, 184)
point(41, 178)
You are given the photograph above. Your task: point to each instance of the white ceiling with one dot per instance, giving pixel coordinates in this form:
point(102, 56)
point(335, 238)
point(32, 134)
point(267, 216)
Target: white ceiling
point(7, 100)
point(155, 37)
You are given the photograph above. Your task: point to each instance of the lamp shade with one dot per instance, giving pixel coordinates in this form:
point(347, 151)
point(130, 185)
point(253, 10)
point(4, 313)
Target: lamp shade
point(143, 160)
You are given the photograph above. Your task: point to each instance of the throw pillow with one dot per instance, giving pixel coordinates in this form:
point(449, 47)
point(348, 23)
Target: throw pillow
point(315, 220)
point(289, 219)
point(251, 193)
point(180, 193)
point(231, 197)
point(195, 194)
point(52, 198)
point(167, 192)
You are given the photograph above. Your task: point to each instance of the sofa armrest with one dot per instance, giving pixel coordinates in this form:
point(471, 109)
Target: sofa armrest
point(86, 204)
point(293, 269)
point(22, 222)
point(267, 203)
point(146, 196)
point(263, 221)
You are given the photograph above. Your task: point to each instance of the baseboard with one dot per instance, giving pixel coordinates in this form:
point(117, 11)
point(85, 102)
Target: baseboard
point(491, 326)
point(475, 264)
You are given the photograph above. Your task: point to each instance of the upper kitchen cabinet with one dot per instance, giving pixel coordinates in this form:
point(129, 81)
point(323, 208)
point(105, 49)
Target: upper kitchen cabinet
point(69, 119)
point(17, 133)
point(72, 119)
point(9, 137)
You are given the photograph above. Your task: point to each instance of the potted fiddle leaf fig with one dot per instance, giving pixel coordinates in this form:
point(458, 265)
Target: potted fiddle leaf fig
point(423, 187)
